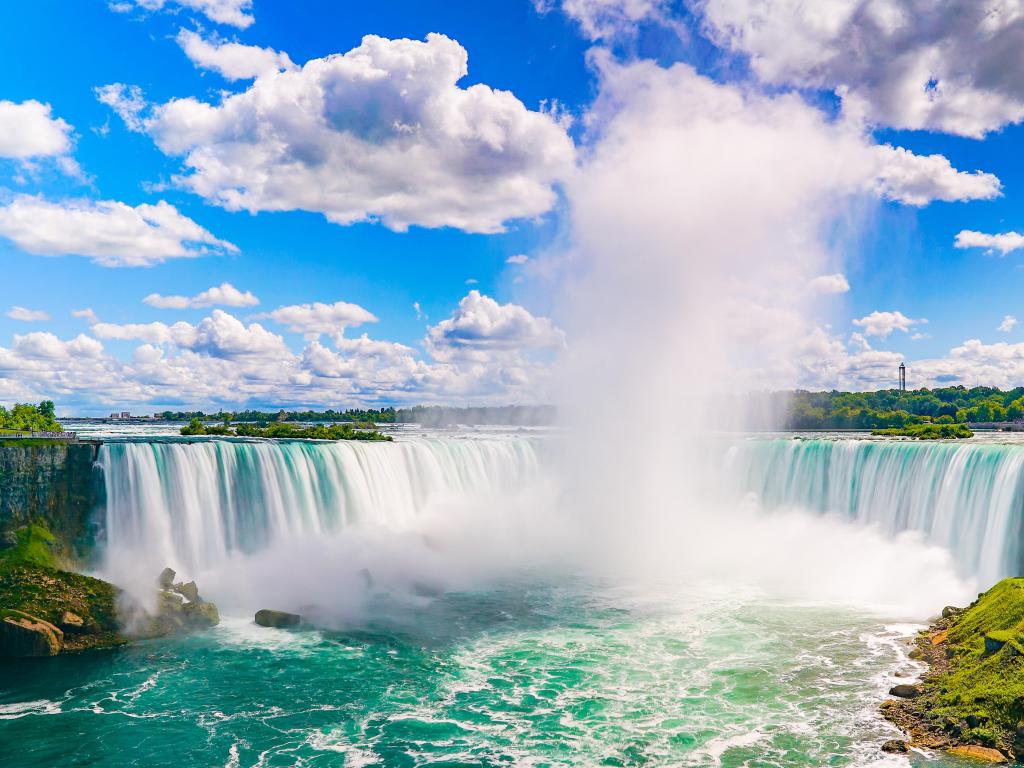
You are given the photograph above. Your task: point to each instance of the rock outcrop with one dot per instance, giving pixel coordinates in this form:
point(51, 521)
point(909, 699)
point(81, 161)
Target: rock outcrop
point(970, 702)
point(279, 619)
point(179, 608)
point(25, 636)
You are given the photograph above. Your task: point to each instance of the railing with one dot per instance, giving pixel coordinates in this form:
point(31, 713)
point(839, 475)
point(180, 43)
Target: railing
point(38, 435)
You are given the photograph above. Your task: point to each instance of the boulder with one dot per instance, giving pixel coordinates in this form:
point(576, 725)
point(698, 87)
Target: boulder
point(166, 578)
point(71, 623)
point(904, 691)
point(200, 614)
point(896, 746)
point(189, 591)
point(950, 611)
point(25, 636)
point(985, 754)
point(270, 618)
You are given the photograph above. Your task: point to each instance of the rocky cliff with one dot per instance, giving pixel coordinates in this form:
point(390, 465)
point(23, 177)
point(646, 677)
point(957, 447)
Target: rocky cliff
point(53, 482)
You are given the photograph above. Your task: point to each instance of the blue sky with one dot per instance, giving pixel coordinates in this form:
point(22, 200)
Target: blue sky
point(425, 248)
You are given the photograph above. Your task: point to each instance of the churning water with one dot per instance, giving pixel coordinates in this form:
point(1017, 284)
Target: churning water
point(456, 628)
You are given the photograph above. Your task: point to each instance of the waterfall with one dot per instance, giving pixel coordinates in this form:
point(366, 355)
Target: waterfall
point(966, 497)
point(192, 504)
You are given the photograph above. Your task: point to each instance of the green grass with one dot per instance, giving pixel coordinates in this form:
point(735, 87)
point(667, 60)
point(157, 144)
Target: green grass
point(989, 686)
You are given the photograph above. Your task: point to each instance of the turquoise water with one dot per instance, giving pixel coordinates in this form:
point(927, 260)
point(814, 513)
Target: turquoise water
point(497, 668)
point(531, 675)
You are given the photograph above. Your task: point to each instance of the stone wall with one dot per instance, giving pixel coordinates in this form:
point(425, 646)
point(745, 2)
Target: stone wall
point(56, 482)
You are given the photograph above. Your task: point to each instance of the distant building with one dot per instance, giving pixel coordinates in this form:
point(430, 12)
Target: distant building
point(115, 416)
point(903, 378)
point(125, 415)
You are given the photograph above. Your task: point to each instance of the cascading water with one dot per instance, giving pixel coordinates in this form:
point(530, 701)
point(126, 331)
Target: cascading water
point(193, 504)
point(965, 497)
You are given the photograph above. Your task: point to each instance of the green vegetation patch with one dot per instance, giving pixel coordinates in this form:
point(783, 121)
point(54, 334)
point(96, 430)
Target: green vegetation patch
point(983, 684)
point(285, 431)
point(33, 545)
point(927, 432)
point(24, 417)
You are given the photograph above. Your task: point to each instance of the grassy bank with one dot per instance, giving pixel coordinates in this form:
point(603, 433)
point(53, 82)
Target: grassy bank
point(973, 692)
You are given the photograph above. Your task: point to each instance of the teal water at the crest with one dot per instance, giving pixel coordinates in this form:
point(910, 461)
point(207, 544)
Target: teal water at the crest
point(535, 669)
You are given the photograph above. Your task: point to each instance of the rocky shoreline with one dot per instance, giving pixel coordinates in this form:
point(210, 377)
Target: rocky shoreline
point(970, 701)
point(46, 610)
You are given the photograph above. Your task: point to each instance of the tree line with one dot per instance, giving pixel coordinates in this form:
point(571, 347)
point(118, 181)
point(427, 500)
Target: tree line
point(891, 408)
point(25, 417)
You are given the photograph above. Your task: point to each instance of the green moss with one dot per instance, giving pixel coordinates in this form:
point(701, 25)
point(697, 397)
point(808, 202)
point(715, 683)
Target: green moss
point(47, 593)
point(34, 547)
point(986, 685)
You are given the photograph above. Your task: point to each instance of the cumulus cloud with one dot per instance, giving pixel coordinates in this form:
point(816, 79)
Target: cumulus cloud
point(1008, 324)
point(519, 259)
point(382, 132)
point(836, 283)
point(87, 314)
point(225, 295)
point(27, 315)
point(913, 64)
point(606, 19)
point(235, 13)
point(1005, 243)
point(220, 335)
point(234, 61)
point(29, 130)
point(482, 326)
point(316, 318)
point(919, 179)
point(111, 233)
point(881, 324)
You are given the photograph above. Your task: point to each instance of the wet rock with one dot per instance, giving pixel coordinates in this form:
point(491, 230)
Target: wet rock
point(189, 591)
point(166, 578)
point(985, 754)
point(904, 691)
point(915, 654)
point(270, 618)
point(201, 615)
point(973, 721)
point(896, 746)
point(950, 611)
point(25, 636)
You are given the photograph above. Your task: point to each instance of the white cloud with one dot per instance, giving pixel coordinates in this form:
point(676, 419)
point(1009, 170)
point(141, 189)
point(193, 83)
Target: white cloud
point(233, 61)
point(881, 324)
point(27, 315)
point(919, 179)
point(471, 281)
point(1008, 323)
point(235, 13)
point(481, 326)
point(112, 233)
point(382, 132)
point(87, 314)
point(127, 101)
point(836, 283)
point(220, 335)
point(606, 19)
point(1004, 243)
point(225, 295)
point(914, 64)
point(29, 130)
point(519, 259)
point(317, 318)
